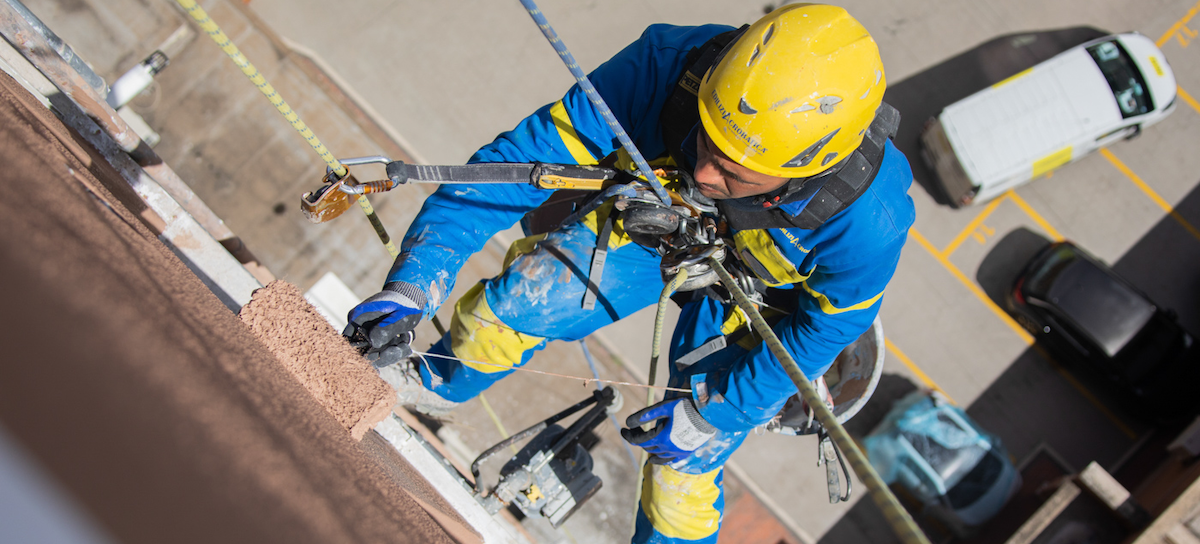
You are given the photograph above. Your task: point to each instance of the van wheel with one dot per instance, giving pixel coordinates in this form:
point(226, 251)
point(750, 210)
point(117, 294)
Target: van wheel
point(1137, 131)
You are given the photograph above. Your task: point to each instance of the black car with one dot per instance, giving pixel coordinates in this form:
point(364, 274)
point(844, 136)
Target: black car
point(1083, 313)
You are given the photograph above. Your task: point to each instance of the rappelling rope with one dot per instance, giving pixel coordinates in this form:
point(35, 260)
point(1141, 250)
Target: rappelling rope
point(901, 522)
point(585, 381)
point(659, 315)
point(210, 27)
point(598, 101)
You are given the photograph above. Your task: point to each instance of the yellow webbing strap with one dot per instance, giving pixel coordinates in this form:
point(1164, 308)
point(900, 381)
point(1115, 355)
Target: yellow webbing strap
point(897, 517)
point(210, 27)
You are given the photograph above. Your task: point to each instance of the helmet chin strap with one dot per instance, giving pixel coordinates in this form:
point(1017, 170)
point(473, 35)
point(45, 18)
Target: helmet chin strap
point(794, 190)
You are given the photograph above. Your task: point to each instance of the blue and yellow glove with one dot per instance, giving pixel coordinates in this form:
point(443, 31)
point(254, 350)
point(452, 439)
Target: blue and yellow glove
point(381, 327)
point(680, 430)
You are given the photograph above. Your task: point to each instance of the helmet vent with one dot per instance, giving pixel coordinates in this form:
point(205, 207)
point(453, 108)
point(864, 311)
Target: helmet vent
point(804, 108)
point(828, 157)
point(745, 108)
point(754, 55)
point(809, 154)
point(827, 103)
point(768, 33)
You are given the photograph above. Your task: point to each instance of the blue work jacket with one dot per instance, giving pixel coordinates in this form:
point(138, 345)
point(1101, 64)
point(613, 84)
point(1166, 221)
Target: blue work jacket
point(837, 272)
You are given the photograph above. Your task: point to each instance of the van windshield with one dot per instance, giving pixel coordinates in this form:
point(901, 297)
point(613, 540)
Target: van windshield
point(1123, 77)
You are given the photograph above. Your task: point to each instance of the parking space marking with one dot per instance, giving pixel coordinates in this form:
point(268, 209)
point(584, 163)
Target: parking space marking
point(1188, 98)
point(1036, 217)
point(912, 367)
point(978, 291)
point(1166, 206)
point(1180, 31)
point(973, 226)
point(1017, 328)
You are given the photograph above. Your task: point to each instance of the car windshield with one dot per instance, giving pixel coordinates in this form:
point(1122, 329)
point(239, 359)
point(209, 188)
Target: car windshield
point(1123, 77)
point(976, 483)
point(1041, 279)
point(950, 450)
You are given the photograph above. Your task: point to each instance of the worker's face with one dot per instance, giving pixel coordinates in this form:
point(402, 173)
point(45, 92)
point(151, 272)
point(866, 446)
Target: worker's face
point(719, 177)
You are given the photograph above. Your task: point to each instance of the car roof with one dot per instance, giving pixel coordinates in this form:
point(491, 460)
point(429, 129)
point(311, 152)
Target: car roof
point(1004, 128)
point(1101, 304)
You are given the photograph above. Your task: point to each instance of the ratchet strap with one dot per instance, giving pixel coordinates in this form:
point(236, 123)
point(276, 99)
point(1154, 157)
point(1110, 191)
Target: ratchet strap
point(596, 273)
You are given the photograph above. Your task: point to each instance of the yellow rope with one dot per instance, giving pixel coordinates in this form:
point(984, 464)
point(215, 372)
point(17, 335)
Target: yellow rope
point(223, 41)
point(210, 27)
point(487, 407)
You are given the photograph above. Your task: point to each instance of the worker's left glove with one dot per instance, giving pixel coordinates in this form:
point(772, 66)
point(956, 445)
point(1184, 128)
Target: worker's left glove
point(680, 430)
point(381, 327)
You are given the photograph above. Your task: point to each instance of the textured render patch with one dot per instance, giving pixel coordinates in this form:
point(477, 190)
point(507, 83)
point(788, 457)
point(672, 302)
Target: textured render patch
point(320, 358)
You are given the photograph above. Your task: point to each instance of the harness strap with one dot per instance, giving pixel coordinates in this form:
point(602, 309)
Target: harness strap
point(596, 272)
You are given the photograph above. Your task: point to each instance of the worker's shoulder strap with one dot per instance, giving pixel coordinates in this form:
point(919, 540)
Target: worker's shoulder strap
point(680, 113)
point(836, 191)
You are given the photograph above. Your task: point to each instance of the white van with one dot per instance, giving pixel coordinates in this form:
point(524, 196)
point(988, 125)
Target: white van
point(1054, 113)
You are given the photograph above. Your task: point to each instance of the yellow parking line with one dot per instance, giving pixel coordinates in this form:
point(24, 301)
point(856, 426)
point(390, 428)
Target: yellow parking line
point(1037, 218)
point(1178, 25)
point(971, 285)
point(1150, 192)
point(916, 370)
point(1188, 98)
point(972, 226)
point(1020, 332)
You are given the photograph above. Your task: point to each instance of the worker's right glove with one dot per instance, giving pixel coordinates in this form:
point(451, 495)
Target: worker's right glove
point(381, 327)
point(680, 430)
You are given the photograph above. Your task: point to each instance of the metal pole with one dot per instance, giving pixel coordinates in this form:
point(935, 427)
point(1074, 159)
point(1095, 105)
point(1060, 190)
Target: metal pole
point(94, 81)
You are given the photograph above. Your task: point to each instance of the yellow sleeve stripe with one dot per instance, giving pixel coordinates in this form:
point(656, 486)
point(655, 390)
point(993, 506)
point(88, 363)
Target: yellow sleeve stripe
point(829, 308)
point(566, 131)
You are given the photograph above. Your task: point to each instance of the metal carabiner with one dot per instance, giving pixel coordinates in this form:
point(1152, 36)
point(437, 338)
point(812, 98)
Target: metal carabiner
point(826, 451)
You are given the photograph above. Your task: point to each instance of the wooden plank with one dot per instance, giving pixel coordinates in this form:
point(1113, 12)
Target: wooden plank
point(1046, 514)
point(1101, 484)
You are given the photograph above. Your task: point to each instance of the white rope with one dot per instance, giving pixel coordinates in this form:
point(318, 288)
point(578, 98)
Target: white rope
point(586, 381)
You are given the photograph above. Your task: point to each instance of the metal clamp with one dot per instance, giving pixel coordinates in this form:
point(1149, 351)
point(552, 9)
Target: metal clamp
point(826, 451)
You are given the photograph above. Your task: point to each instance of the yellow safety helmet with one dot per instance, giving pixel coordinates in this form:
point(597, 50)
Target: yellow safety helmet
point(795, 93)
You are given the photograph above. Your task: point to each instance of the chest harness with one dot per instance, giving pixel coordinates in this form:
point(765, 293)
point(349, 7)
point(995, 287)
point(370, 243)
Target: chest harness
point(686, 239)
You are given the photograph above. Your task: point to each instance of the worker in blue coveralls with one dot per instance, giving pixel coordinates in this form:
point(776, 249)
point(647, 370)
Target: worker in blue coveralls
point(783, 130)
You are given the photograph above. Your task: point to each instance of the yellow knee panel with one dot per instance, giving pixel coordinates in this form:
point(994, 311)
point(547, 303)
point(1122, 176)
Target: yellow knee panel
point(476, 334)
point(680, 505)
